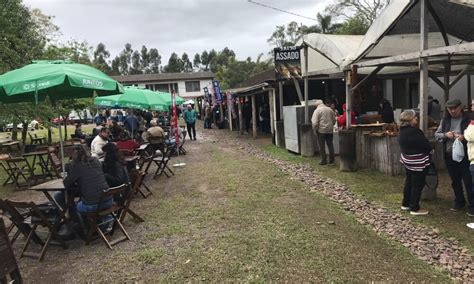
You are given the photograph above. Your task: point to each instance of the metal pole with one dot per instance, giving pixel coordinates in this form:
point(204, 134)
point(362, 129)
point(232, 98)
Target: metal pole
point(348, 101)
point(423, 62)
point(306, 110)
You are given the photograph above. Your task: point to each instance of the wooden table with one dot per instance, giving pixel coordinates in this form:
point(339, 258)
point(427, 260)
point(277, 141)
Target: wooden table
point(39, 159)
point(50, 186)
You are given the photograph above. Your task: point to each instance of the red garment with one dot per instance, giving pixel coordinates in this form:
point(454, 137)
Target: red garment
point(129, 145)
point(341, 120)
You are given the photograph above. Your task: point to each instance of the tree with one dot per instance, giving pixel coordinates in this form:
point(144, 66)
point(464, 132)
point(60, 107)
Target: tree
point(353, 26)
point(286, 36)
point(205, 60)
point(136, 67)
point(325, 23)
point(155, 60)
point(21, 38)
point(145, 60)
point(174, 64)
point(187, 65)
point(115, 66)
point(125, 59)
point(100, 56)
point(367, 10)
point(197, 61)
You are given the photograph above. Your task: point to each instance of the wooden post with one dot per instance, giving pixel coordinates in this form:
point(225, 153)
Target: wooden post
point(348, 101)
point(254, 117)
point(447, 71)
point(271, 102)
point(229, 110)
point(469, 96)
point(423, 62)
point(280, 98)
point(306, 95)
point(241, 121)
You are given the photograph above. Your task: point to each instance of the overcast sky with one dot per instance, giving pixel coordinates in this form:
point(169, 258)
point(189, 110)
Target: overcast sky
point(175, 25)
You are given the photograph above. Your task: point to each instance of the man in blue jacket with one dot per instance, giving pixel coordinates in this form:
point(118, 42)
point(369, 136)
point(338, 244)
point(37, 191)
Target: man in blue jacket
point(190, 119)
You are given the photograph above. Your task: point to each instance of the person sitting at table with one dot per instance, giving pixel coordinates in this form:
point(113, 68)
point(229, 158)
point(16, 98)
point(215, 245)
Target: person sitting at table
point(99, 142)
point(85, 179)
point(78, 132)
point(126, 143)
point(115, 172)
point(115, 130)
point(172, 139)
point(154, 135)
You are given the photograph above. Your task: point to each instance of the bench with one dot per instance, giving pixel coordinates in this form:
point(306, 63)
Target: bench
point(10, 145)
point(35, 139)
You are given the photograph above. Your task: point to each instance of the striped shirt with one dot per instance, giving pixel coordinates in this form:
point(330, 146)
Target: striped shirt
point(415, 162)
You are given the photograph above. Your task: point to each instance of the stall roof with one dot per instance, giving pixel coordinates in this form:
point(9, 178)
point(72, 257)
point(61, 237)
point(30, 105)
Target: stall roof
point(396, 32)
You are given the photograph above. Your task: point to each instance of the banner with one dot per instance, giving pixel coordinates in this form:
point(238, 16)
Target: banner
point(207, 95)
point(287, 63)
point(175, 119)
point(217, 90)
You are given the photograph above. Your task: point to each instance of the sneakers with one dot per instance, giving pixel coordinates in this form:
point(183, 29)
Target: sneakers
point(405, 208)
point(470, 213)
point(456, 208)
point(322, 163)
point(331, 164)
point(419, 212)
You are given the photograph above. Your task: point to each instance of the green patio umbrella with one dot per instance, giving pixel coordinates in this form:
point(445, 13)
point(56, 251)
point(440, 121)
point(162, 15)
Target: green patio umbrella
point(137, 98)
point(169, 100)
point(58, 80)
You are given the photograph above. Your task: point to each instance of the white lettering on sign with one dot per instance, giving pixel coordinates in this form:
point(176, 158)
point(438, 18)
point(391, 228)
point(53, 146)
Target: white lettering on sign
point(89, 82)
point(31, 86)
point(288, 55)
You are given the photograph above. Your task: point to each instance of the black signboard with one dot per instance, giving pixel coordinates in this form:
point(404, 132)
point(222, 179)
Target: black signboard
point(288, 63)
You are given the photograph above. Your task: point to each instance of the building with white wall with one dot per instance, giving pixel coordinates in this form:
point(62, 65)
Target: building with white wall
point(186, 85)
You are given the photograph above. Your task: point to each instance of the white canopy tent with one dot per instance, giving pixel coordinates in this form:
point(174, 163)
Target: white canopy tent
point(409, 36)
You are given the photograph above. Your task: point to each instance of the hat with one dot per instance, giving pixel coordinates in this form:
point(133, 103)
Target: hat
point(453, 103)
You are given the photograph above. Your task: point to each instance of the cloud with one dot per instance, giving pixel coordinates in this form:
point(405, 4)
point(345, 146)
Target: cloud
point(179, 26)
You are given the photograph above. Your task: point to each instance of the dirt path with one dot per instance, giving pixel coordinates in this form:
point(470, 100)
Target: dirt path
point(231, 216)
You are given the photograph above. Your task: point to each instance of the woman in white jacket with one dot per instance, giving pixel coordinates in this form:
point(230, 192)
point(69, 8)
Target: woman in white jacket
point(469, 136)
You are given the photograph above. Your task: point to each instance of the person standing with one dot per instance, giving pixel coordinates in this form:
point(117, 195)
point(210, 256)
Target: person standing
point(323, 121)
point(386, 111)
point(452, 127)
point(207, 116)
point(469, 136)
point(190, 119)
point(415, 156)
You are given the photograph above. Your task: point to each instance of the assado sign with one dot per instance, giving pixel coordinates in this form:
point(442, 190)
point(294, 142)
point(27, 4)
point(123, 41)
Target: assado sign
point(288, 62)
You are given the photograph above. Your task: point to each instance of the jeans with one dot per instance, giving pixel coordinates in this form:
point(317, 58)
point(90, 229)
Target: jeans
point(191, 130)
point(323, 140)
point(80, 206)
point(460, 173)
point(207, 123)
point(414, 184)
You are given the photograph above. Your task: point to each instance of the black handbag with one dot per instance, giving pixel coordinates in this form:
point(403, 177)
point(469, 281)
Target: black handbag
point(431, 176)
point(49, 211)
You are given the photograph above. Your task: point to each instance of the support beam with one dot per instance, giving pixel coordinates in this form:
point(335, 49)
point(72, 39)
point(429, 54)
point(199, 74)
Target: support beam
point(438, 23)
point(469, 96)
point(437, 81)
point(445, 50)
point(306, 95)
point(254, 117)
point(271, 103)
point(361, 82)
point(460, 75)
point(298, 89)
point(229, 110)
point(423, 66)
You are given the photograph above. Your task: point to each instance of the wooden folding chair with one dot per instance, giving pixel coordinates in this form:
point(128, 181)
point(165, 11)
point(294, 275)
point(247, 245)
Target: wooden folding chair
point(35, 139)
point(8, 265)
point(95, 218)
point(162, 163)
point(136, 178)
point(38, 218)
point(55, 162)
point(5, 168)
point(181, 149)
point(20, 170)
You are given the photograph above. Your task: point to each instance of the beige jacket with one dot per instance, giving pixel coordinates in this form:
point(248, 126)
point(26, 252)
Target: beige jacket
point(323, 119)
point(469, 136)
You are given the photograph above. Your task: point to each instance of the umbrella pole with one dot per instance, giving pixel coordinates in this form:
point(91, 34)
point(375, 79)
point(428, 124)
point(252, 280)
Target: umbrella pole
point(63, 166)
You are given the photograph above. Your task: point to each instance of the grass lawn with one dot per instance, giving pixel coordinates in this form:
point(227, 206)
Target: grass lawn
point(387, 191)
point(231, 218)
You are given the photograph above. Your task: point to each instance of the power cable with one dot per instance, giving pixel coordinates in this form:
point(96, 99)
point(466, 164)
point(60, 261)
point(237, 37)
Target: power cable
point(280, 10)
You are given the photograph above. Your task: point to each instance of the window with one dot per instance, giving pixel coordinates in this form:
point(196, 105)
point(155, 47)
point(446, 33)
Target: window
point(192, 86)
